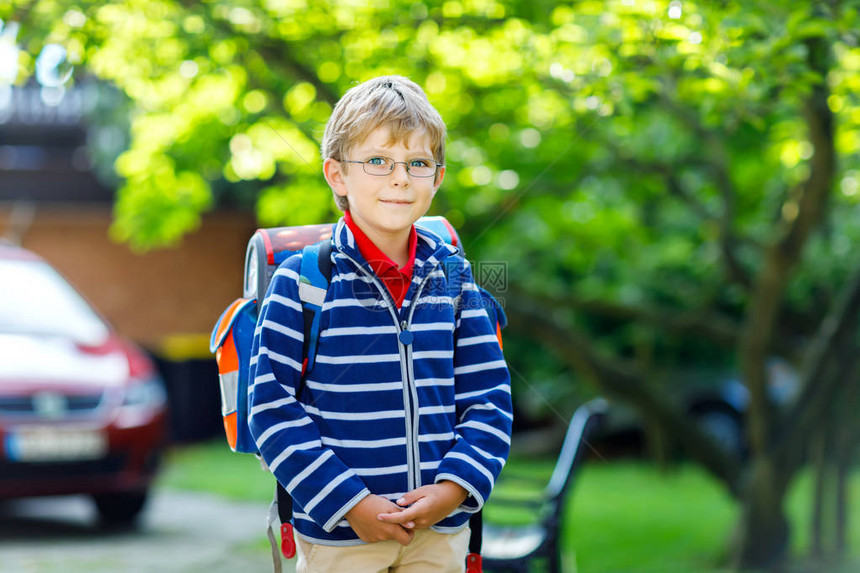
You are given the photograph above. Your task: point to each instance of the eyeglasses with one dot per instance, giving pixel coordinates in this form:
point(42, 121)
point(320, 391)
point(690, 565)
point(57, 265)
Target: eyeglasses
point(382, 166)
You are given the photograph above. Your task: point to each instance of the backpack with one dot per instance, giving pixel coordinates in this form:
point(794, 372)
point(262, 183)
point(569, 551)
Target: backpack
point(233, 335)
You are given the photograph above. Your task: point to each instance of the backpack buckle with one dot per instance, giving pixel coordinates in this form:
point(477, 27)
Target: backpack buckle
point(288, 542)
point(473, 563)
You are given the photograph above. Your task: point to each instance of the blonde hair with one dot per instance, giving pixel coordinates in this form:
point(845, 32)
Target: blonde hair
point(394, 102)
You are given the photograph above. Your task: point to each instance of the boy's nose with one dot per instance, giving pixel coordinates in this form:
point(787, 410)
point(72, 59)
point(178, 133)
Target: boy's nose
point(399, 175)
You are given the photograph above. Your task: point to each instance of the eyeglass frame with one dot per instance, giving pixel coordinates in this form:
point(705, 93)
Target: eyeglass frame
point(393, 165)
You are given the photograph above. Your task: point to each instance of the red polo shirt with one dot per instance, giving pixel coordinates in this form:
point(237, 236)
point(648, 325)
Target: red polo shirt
point(396, 280)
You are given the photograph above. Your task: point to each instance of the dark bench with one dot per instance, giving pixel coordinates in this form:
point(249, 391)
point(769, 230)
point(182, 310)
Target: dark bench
point(514, 548)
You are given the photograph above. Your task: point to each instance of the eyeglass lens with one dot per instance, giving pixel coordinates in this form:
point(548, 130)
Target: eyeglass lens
point(385, 165)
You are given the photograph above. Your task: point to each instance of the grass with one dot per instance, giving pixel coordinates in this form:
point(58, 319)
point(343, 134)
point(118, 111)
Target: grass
point(624, 516)
point(633, 517)
point(213, 468)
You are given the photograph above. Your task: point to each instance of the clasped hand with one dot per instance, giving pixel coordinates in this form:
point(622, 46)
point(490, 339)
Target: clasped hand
point(375, 518)
point(426, 506)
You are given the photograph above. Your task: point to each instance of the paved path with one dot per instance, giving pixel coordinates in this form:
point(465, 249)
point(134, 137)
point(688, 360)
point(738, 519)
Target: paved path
point(180, 533)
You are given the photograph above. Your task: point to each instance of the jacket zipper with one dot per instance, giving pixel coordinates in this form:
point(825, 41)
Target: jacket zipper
point(410, 392)
point(413, 389)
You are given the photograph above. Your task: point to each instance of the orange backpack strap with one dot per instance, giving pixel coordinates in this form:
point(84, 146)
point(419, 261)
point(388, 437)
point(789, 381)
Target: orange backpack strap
point(231, 342)
point(225, 323)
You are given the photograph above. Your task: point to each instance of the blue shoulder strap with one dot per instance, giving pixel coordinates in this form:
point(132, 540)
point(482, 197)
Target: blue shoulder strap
point(313, 284)
point(493, 307)
point(314, 278)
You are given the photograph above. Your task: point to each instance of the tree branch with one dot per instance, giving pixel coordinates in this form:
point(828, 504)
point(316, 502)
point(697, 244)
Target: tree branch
point(277, 51)
point(615, 377)
point(783, 254)
point(823, 382)
point(281, 54)
point(718, 164)
point(712, 326)
point(729, 242)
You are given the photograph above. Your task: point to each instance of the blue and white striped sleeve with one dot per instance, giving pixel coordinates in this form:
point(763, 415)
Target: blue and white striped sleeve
point(289, 442)
point(483, 401)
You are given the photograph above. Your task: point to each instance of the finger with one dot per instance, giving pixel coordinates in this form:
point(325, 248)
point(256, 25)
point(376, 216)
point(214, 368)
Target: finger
point(400, 517)
point(393, 518)
point(403, 537)
point(411, 497)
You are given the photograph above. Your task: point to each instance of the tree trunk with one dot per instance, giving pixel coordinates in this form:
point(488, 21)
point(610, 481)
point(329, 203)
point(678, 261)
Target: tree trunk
point(823, 503)
point(845, 456)
point(816, 523)
point(762, 536)
point(764, 530)
point(832, 449)
point(843, 472)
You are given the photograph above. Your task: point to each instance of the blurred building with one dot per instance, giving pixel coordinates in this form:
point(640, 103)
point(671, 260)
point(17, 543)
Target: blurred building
point(52, 203)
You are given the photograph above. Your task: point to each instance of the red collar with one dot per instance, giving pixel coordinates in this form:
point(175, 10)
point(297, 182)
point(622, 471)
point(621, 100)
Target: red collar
point(379, 261)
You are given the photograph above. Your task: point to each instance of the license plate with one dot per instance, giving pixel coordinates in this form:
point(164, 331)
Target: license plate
point(55, 444)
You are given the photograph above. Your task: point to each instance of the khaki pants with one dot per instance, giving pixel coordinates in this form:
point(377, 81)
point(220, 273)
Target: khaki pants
point(429, 552)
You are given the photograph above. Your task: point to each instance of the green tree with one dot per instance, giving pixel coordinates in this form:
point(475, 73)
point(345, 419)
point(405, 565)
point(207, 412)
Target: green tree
point(664, 178)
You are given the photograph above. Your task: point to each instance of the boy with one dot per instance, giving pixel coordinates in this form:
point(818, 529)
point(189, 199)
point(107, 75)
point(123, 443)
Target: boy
point(403, 423)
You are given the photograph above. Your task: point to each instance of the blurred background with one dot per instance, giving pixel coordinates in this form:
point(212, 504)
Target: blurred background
point(665, 196)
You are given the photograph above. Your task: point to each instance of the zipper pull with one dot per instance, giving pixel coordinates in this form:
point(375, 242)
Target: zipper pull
point(406, 337)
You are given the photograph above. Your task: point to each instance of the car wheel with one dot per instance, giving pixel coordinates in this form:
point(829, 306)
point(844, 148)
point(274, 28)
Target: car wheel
point(120, 509)
point(725, 428)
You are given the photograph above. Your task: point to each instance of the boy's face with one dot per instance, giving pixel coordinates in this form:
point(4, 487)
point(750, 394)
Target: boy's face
point(385, 207)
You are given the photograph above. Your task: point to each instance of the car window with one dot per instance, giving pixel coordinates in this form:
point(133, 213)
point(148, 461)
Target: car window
point(35, 299)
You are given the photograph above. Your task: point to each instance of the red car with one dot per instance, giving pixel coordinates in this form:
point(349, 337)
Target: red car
point(82, 411)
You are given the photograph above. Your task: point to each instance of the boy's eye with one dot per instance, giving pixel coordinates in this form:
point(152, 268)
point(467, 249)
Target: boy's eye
point(420, 163)
point(377, 161)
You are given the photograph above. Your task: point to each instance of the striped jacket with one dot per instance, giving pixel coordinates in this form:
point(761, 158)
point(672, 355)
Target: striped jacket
point(397, 398)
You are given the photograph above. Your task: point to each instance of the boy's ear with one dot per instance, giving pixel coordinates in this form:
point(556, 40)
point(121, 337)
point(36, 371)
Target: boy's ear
point(333, 171)
point(440, 175)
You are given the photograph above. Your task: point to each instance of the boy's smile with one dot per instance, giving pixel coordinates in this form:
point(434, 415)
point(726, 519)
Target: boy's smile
point(385, 206)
